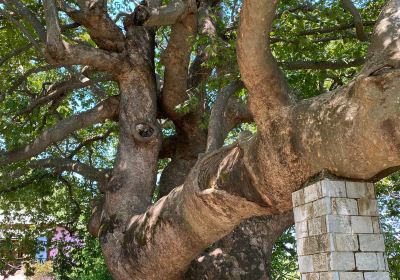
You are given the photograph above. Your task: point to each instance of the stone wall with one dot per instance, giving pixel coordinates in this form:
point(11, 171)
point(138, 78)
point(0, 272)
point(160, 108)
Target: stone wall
point(338, 232)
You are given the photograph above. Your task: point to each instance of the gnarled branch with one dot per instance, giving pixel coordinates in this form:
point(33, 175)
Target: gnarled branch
point(168, 14)
point(176, 60)
point(61, 52)
point(268, 90)
point(107, 109)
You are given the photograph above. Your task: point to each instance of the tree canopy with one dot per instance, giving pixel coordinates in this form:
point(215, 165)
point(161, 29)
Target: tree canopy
point(130, 116)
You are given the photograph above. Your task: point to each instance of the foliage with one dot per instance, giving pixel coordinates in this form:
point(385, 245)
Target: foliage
point(42, 271)
point(284, 257)
point(81, 262)
point(49, 198)
point(388, 191)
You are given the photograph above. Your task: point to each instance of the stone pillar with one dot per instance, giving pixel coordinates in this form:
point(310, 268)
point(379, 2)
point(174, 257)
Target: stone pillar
point(338, 232)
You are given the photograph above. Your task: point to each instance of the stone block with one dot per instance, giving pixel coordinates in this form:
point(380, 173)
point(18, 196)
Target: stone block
point(303, 212)
point(315, 244)
point(361, 224)
point(376, 276)
point(340, 224)
point(321, 262)
point(310, 276)
point(366, 261)
point(381, 261)
point(312, 192)
point(367, 207)
point(301, 229)
point(344, 206)
point(376, 225)
point(301, 246)
point(298, 198)
point(370, 190)
point(345, 242)
point(371, 242)
point(316, 226)
point(332, 275)
point(322, 207)
point(342, 261)
point(356, 189)
point(331, 188)
point(351, 276)
point(305, 264)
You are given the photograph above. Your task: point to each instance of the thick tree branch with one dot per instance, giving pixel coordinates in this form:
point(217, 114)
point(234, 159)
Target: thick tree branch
point(176, 60)
point(168, 14)
point(61, 52)
point(107, 109)
point(101, 28)
point(237, 181)
point(208, 209)
point(251, 242)
point(267, 87)
point(358, 23)
point(258, 175)
point(168, 147)
point(384, 51)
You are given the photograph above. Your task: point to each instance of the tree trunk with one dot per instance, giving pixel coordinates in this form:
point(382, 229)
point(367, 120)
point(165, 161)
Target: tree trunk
point(352, 132)
point(244, 254)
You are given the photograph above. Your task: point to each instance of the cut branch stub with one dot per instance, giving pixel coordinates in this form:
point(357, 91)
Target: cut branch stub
point(144, 131)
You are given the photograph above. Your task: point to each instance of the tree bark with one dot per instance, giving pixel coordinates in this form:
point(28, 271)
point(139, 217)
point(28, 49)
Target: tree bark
point(352, 132)
point(245, 254)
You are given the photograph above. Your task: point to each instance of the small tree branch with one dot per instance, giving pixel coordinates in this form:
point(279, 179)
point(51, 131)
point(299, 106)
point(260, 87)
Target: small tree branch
point(63, 164)
point(25, 76)
point(321, 65)
point(59, 89)
point(216, 137)
point(325, 30)
point(15, 53)
point(24, 183)
point(349, 6)
point(30, 17)
point(107, 109)
point(89, 141)
point(24, 31)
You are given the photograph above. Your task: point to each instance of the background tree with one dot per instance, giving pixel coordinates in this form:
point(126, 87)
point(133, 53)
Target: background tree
point(120, 92)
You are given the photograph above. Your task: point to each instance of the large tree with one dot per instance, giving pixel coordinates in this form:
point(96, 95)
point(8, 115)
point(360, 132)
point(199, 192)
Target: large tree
point(178, 98)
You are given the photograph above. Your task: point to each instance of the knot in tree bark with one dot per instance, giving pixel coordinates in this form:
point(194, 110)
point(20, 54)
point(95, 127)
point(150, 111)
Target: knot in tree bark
point(144, 131)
